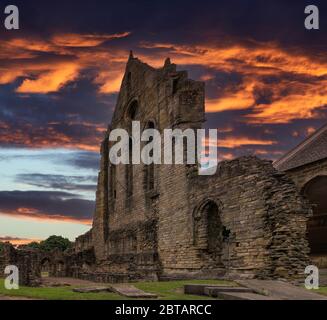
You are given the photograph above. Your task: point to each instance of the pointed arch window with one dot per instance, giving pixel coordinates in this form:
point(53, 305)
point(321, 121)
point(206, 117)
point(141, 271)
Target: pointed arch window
point(129, 171)
point(149, 169)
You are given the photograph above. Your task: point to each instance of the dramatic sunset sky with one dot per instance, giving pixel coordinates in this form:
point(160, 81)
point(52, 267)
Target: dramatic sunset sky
point(266, 90)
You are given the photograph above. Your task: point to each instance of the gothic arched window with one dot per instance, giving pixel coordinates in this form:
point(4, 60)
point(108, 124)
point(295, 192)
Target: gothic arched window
point(149, 169)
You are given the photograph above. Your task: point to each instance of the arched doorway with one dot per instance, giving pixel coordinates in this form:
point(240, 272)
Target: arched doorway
point(316, 192)
point(45, 268)
point(208, 229)
point(60, 269)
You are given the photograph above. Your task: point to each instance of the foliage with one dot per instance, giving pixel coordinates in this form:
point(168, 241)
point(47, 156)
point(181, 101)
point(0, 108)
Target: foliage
point(55, 242)
point(52, 243)
point(34, 245)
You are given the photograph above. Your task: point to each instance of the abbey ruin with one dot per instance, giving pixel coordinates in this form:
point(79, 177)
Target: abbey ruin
point(165, 221)
point(159, 222)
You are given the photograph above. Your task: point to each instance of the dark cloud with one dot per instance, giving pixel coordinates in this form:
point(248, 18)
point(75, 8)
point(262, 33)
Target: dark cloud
point(75, 117)
point(184, 21)
point(8, 239)
point(46, 205)
point(84, 160)
point(75, 114)
point(51, 181)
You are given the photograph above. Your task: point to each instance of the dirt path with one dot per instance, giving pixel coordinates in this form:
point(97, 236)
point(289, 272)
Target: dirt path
point(6, 298)
point(281, 290)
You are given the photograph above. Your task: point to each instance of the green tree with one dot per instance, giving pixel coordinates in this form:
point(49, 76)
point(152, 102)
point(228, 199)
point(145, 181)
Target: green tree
point(33, 245)
point(55, 242)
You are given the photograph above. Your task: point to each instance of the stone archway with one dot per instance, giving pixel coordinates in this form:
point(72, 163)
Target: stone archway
point(45, 266)
point(316, 192)
point(60, 269)
point(208, 229)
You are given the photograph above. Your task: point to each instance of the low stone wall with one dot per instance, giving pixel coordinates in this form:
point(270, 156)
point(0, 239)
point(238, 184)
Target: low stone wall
point(27, 262)
point(60, 264)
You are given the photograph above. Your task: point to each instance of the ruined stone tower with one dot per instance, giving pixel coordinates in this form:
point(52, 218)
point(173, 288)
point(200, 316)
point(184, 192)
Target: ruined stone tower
point(166, 221)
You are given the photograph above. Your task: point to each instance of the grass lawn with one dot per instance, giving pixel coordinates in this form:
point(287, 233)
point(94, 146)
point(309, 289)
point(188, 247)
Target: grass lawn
point(57, 293)
point(321, 290)
point(165, 290)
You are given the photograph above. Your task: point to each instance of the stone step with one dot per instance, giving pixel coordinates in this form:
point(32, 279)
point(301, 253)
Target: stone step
point(215, 291)
point(243, 296)
point(92, 289)
point(198, 289)
point(130, 291)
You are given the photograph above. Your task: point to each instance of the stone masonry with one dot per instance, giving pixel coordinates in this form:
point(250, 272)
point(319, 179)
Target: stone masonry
point(166, 221)
point(30, 262)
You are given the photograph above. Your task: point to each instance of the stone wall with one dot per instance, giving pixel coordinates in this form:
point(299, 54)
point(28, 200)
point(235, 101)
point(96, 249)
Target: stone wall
point(84, 242)
point(31, 261)
point(260, 211)
point(27, 262)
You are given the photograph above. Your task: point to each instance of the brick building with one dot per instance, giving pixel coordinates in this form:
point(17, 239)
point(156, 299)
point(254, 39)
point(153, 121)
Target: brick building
point(166, 221)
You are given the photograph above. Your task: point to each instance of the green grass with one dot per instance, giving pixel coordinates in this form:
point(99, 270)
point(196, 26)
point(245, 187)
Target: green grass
point(57, 293)
point(165, 290)
point(321, 290)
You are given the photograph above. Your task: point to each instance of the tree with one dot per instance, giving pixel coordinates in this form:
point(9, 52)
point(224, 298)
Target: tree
point(33, 245)
point(55, 242)
point(1, 246)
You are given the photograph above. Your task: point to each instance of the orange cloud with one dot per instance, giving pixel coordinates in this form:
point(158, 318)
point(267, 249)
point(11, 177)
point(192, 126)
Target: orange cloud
point(17, 241)
point(265, 152)
point(85, 40)
point(234, 142)
point(242, 99)
point(225, 156)
point(33, 214)
point(109, 81)
point(310, 131)
point(48, 137)
point(265, 59)
point(50, 81)
point(42, 76)
point(304, 99)
point(252, 62)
